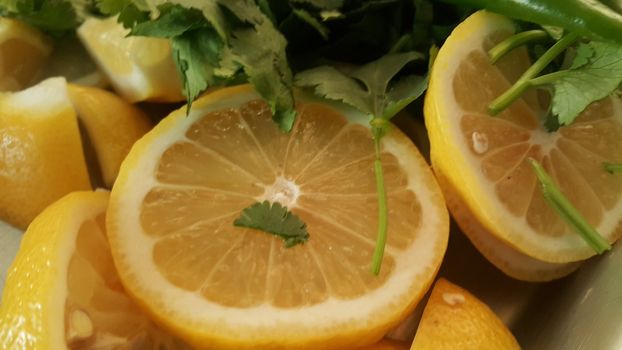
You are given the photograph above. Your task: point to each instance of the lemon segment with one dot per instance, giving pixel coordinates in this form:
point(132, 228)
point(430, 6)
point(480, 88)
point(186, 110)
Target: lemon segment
point(41, 158)
point(112, 124)
point(62, 290)
point(139, 68)
point(23, 51)
point(183, 184)
point(483, 159)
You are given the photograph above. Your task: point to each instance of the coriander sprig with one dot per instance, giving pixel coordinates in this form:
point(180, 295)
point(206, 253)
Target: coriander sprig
point(525, 81)
point(372, 90)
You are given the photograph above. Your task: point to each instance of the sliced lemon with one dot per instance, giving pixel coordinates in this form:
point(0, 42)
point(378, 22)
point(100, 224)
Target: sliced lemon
point(223, 287)
point(481, 160)
point(454, 319)
point(139, 68)
point(23, 51)
point(63, 292)
point(41, 149)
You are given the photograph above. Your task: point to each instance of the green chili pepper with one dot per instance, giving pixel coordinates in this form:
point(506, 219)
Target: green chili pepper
point(586, 17)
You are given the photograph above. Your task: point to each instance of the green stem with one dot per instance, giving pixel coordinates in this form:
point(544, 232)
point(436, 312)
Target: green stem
point(567, 211)
point(613, 168)
point(548, 78)
point(524, 82)
point(382, 205)
point(515, 41)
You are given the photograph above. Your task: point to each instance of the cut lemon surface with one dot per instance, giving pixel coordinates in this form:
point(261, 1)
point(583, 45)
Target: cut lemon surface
point(454, 319)
point(170, 224)
point(481, 161)
point(139, 68)
point(23, 51)
point(62, 291)
point(43, 153)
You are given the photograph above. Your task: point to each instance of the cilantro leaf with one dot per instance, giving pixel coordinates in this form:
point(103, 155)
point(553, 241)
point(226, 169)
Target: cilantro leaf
point(111, 7)
point(276, 219)
point(313, 22)
point(575, 89)
point(368, 87)
point(260, 50)
point(194, 53)
point(332, 83)
point(52, 16)
point(174, 20)
point(403, 92)
point(376, 76)
point(583, 56)
point(326, 5)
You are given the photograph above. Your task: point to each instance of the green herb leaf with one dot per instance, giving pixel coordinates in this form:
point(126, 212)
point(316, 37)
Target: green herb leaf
point(313, 22)
point(112, 7)
point(131, 15)
point(583, 55)
point(376, 76)
point(174, 20)
point(326, 5)
point(567, 211)
point(276, 219)
point(575, 89)
point(260, 50)
point(366, 88)
point(612, 168)
point(194, 53)
point(52, 16)
point(335, 85)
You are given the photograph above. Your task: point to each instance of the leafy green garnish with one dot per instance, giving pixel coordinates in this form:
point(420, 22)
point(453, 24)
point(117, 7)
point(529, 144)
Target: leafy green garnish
point(372, 90)
point(567, 211)
point(276, 219)
point(260, 50)
point(594, 74)
point(195, 43)
point(52, 16)
point(612, 168)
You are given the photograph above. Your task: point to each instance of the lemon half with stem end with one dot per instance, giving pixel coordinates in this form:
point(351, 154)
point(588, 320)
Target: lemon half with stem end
point(170, 224)
point(481, 161)
point(23, 51)
point(62, 290)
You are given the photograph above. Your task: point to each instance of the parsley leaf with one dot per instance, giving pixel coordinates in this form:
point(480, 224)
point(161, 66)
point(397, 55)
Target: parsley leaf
point(276, 219)
point(595, 73)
